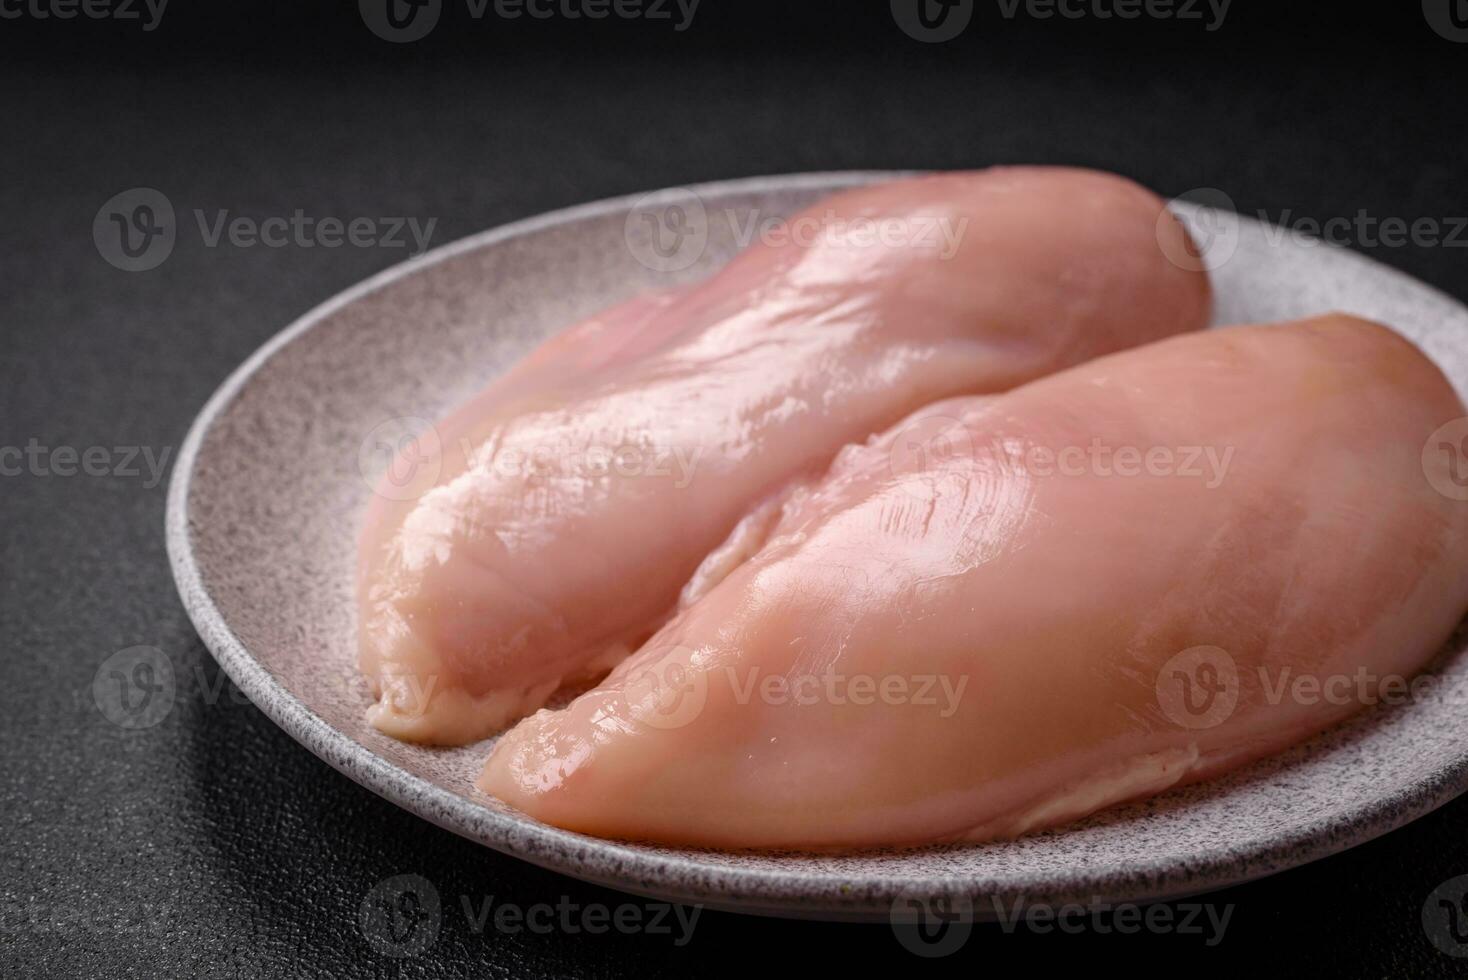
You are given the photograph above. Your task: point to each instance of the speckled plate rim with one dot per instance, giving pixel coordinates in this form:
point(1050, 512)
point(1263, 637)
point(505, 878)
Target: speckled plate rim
point(679, 877)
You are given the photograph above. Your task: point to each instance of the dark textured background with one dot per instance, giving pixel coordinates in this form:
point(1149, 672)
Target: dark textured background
point(213, 845)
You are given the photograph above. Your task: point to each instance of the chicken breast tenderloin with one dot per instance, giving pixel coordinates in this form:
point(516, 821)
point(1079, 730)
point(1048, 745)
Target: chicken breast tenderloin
point(575, 498)
point(1009, 612)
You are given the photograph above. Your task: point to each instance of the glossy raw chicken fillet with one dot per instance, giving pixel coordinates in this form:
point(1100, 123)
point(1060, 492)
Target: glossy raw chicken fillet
point(573, 500)
point(1008, 612)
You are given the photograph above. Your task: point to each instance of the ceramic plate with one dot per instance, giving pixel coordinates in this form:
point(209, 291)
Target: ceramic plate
point(269, 489)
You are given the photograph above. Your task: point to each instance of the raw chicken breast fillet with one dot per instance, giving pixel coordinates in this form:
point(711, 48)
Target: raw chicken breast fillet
point(1008, 612)
point(575, 497)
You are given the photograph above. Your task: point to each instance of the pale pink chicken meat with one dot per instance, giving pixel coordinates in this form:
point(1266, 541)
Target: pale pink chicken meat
point(1097, 625)
point(577, 495)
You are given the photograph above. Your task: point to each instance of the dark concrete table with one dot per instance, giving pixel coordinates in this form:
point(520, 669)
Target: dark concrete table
point(211, 844)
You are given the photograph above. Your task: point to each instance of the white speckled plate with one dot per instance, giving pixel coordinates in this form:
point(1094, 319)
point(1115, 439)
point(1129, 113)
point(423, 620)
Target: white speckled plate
point(267, 494)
